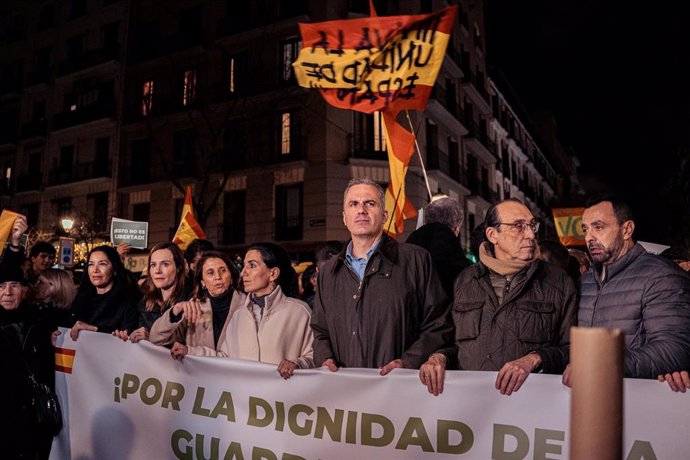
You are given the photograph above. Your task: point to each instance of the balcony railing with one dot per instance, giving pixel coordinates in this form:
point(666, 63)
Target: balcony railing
point(78, 172)
point(86, 114)
point(88, 59)
point(29, 182)
point(33, 128)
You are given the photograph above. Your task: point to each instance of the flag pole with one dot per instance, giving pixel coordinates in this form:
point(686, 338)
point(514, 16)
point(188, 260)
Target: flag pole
point(421, 162)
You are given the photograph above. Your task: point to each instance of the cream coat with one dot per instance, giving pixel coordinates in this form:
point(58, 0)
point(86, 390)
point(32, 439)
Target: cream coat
point(284, 332)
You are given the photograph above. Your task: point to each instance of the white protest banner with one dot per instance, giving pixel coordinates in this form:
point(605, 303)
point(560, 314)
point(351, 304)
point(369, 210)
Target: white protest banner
point(136, 234)
point(133, 401)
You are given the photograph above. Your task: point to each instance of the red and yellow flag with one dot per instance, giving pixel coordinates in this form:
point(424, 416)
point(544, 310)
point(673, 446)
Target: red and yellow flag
point(189, 229)
point(569, 225)
point(64, 359)
point(379, 63)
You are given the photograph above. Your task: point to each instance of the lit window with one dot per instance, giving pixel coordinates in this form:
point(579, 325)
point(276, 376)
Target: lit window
point(290, 51)
point(189, 90)
point(285, 134)
point(147, 99)
point(379, 133)
point(231, 86)
point(8, 174)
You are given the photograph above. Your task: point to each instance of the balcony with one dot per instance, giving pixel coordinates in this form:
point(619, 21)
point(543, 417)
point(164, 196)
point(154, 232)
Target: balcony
point(29, 182)
point(33, 128)
point(86, 114)
point(475, 88)
point(88, 59)
point(77, 173)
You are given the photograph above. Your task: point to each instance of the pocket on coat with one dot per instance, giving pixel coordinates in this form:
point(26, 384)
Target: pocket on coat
point(467, 318)
point(535, 322)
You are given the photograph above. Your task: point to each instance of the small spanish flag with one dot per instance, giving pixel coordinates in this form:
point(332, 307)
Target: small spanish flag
point(189, 229)
point(64, 359)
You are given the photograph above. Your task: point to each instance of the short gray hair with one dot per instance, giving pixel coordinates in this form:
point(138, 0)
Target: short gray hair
point(366, 181)
point(444, 210)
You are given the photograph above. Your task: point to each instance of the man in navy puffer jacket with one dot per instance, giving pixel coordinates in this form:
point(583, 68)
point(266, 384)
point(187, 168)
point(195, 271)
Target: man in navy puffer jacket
point(644, 295)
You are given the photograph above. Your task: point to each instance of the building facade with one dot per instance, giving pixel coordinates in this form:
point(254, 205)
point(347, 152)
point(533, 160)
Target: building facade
point(112, 107)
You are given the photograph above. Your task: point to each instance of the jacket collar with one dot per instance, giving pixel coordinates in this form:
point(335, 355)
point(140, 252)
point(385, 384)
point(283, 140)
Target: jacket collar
point(387, 248)
point(622, 263)
point(274, 298)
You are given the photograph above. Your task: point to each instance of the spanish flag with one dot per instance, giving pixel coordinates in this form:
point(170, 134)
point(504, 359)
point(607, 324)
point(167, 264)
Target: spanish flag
point(379, 64)
point(189, 229)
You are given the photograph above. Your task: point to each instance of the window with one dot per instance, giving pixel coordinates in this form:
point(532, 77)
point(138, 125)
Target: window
point(141, 212)
point(62, 207)
point(111, 45)
point(101, 165)
point(369, 135)
point(191, 28)
point(98, 205)
point(189, 87)
point(30, 210)
point(78, 9)
point(288, 212)
point(291, 49)
point(74, 49)
point(289, 134)
point(38, 110)
point(234, 144)
point(237, 74)
point(454, 158)
point(184, 152)
point(147, 98)
point(66, 161)
point(432, 156)
point(140, 166)
point(46, 17)
point(234, 205)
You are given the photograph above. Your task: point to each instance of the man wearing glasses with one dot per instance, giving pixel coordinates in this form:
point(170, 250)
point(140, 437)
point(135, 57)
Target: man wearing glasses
point(512, 312)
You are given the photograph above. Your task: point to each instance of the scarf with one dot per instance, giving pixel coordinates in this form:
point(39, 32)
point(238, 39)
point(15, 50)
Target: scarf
point(504, 267)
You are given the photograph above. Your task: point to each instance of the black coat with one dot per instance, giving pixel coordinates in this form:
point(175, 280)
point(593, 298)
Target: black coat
point(25, 339)
point(398, 311)
point(446, 253)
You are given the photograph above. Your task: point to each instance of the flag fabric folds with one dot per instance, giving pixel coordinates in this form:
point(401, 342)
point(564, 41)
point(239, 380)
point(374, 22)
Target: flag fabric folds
point(189, 229)
point(568, 223)
point(379, 64)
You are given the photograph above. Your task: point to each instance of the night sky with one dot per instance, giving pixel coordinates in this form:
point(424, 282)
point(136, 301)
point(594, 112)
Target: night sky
point(616, 76)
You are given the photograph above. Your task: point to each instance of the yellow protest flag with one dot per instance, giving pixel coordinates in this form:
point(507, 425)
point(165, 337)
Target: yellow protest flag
point(7, 219)
point(568, 223)
point(189, 229)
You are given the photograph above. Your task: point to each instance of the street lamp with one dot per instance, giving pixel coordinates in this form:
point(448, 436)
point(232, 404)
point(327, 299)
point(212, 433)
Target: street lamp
point(67, 224)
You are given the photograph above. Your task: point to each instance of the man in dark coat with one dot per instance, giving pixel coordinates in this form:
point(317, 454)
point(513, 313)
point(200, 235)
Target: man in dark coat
point(512, 312)
point(644, 295)
point(379, 303)
point(439, 235)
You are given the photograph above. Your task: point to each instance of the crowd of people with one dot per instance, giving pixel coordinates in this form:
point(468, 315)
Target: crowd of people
point(372, 302)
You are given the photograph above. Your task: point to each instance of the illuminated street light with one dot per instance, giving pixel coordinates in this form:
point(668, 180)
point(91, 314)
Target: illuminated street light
point(67, 224)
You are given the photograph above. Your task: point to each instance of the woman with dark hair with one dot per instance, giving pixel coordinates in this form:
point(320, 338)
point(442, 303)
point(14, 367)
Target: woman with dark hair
point(198, 327)
point(165, 286)
point(107, 297)
point(285, 340)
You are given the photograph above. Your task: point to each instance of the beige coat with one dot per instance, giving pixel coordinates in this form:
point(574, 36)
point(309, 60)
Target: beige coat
point(284, 332)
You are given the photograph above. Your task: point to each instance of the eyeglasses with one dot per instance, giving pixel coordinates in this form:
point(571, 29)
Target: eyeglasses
point(520, 226)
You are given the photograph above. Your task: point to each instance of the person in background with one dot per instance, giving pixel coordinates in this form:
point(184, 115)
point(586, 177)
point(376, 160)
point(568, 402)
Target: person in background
point(164, 287)
point(582, 259)
point(439, 235)
point(512, 312)
point(679, 255)
point(55, 292)
point(307, 280)
point(107, 297)
point(644, 295)
point(555, 253)
point(326, 251)
point(195, 250)
point(42, 256)
point(26, 334)
point(379, 303)
point(270, 326)
point(198, 327)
